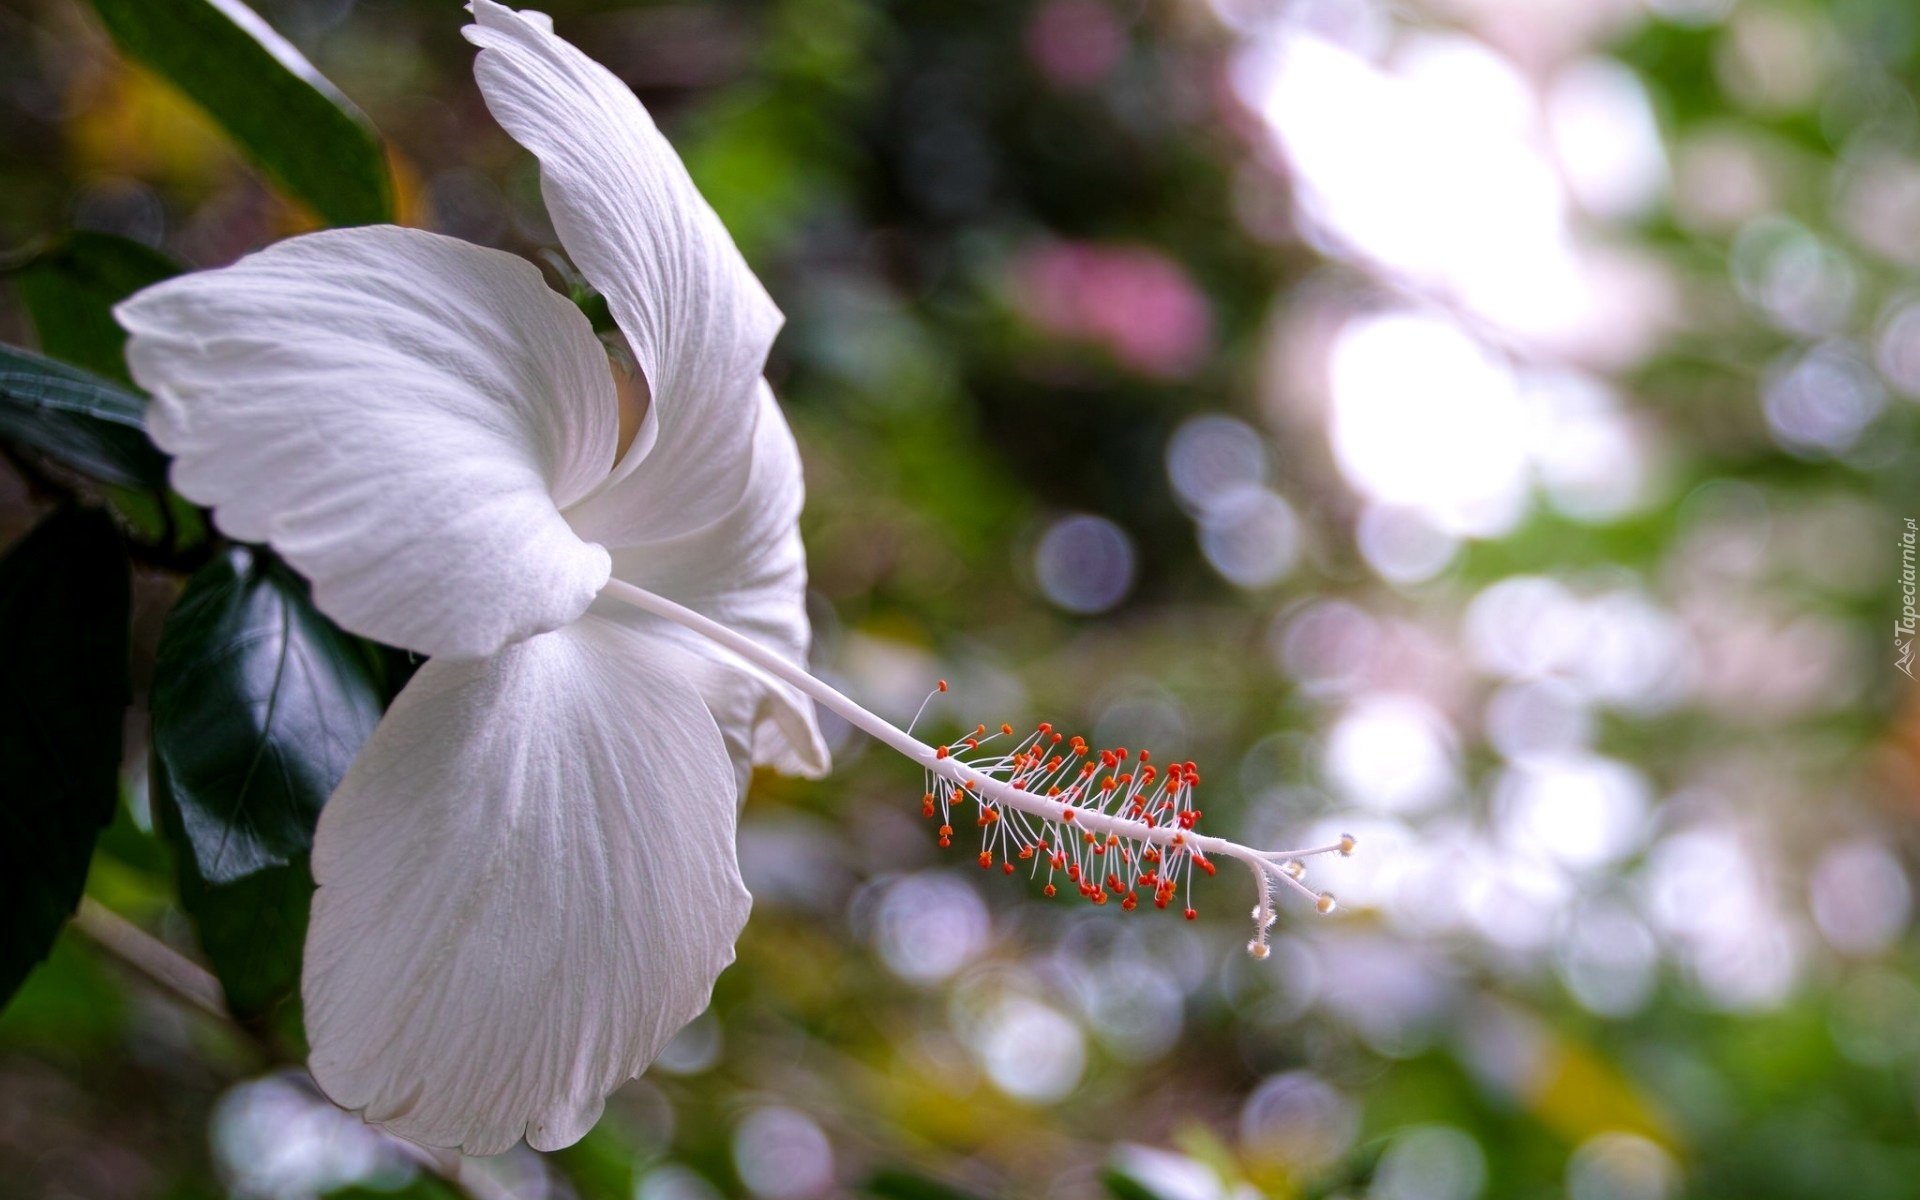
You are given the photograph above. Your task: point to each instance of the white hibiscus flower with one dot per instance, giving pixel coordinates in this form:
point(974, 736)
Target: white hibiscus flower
point(527, 881)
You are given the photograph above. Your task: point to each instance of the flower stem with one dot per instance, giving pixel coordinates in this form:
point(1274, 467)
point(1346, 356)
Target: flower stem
point(1265, 864)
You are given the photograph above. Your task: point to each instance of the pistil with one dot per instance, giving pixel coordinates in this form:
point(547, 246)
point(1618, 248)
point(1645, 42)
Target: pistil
point(1040, 785)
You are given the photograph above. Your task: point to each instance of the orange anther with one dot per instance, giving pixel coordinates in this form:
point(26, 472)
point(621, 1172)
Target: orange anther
point(1047, 891)
point(1007, 867)
point(986, 859)
point(1191, 914)
point(1006, 729)
point(942, 752)
point(943, 685)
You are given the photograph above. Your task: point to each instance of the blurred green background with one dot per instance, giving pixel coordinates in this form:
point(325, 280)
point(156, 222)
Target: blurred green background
point(1483, 426)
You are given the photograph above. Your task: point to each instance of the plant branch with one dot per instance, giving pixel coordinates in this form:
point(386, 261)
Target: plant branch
point(150, 956)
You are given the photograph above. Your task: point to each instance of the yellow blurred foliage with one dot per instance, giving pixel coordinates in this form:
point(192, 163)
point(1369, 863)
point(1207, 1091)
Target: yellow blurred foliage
point(1578, 1094)
point(125, 121)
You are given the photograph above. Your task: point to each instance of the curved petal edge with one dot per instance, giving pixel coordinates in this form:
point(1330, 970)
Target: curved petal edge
point(401, 415)
point(527, 885)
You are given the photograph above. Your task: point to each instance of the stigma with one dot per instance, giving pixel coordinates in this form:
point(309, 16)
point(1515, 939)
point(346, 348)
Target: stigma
point(1116, 826)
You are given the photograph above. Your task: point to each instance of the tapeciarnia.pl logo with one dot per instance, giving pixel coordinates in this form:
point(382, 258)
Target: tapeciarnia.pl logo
point(1903, 629)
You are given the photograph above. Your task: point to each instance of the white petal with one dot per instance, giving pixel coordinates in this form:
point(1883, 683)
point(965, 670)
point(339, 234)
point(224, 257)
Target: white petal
point(747, 571)
point(699, 322)
point(527, 886)
point(401, 415)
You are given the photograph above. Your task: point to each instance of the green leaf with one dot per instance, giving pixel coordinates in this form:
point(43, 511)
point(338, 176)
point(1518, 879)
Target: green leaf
point(91, 424)
point(253, 929)
point(899, 1183)
point(253, 932)
point(64, 605)
point(259, 705)
point(70, 291)
point(1122, 1186)
point(293, 123)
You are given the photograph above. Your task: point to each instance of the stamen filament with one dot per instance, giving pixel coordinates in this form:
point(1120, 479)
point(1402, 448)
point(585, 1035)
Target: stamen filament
point(1025, 793)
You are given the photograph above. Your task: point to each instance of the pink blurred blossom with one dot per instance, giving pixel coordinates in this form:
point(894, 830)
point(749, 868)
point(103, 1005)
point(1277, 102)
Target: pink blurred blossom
point(1136, 302)
point(1075, 42)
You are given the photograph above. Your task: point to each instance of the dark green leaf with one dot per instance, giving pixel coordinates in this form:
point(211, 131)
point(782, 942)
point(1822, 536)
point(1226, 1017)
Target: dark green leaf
point(70, 292)
point(253, 932)
point(259, 705)
point(1122, 1186)
point(288, 119)
point(64, 603)
point(91, 424)
point(897, 1183)
point(253, 929)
